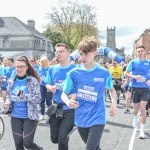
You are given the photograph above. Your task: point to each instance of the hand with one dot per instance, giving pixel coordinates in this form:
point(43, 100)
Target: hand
point(138, 77)
point(6, 106)
point(53, 88)
point(113, 109)
point(148, 82)
point(122, 86)
point(73, 104)
point(72, 96)
point(19, 92)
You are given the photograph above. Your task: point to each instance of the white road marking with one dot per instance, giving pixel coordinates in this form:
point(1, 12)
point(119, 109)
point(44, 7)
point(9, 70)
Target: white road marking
point(144, 129)
point(132, 139)
point(133, 136)
point(117, 148)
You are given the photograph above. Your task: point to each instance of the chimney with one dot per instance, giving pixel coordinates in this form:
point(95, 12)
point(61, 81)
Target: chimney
point(31, 23)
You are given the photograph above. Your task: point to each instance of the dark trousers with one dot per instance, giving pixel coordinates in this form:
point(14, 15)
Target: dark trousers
point(45, 96)
point(91, 136)
point(60, 128)
point(23, 133)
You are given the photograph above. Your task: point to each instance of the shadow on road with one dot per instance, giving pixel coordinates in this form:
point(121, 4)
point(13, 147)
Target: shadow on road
point(119, 124)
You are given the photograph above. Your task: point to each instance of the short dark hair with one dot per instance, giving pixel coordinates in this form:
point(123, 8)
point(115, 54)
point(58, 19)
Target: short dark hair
point(62, 44)
point(11, 59)
point(141, 47)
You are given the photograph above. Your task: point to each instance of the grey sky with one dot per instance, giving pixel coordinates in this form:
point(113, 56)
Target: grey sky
point(130, 17)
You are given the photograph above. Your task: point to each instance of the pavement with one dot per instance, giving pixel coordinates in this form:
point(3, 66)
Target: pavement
point(118, 134)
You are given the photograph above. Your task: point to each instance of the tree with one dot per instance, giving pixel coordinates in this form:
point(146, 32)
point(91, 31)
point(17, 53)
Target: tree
point(56, 37)
point(73, 20)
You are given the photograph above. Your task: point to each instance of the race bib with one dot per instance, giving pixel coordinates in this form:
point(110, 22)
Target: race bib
point(58, 84)
point(87, 93)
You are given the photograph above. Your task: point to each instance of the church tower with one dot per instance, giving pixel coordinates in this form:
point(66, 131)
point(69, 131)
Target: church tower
point(111, 43)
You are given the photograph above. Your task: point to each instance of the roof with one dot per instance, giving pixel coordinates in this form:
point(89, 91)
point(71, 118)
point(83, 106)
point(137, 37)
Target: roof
point(10, 53)
point(14, 26)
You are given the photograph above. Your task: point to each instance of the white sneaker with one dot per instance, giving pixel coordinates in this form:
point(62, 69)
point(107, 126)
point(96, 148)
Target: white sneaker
point(41, 118)
point(135, 121)
point(142, 135)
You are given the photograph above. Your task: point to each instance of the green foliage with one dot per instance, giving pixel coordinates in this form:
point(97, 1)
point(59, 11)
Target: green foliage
point(70, 22)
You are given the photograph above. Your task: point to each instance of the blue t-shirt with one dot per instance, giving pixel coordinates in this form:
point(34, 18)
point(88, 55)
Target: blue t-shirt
point(36, 67)
point(56, 75)
point(142, 68)
point(90, 93)
point(42, 72)
point(13, 74)
point(20, 109)
point(9, 73)
point(4, 71)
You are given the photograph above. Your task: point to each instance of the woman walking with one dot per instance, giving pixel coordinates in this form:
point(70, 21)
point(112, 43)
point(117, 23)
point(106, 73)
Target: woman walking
point(24, 97)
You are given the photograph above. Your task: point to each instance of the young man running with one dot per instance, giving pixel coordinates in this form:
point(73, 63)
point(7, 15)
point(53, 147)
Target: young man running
point(89, 80)
point(140, 91)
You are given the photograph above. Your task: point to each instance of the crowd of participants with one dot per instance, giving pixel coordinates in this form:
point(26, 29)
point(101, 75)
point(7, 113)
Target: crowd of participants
point(133, 78)
point(68, 88)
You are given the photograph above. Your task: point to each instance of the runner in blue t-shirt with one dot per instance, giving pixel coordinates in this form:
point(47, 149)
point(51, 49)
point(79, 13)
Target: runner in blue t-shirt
point(34, 64)
point(140, 90)
point(7, 75)
point(24, 98)
point(89, 80)
point(46, 96)
point(3, 79)
point(62, 122)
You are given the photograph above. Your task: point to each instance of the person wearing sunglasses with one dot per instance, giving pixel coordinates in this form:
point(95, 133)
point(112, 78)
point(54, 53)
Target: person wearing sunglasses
point(34, 64)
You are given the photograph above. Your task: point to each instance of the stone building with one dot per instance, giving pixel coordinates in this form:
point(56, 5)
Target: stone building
point(111, 43)
point(144, 40)
point(18, 38)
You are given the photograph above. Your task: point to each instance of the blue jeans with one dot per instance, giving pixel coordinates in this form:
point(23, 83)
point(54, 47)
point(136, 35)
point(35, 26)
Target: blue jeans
point(45, 96)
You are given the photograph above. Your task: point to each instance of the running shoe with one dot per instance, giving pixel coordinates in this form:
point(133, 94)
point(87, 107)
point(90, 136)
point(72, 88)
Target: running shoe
point(118, 101)
point(142, 135)
point(147, 114)
point(127, 111)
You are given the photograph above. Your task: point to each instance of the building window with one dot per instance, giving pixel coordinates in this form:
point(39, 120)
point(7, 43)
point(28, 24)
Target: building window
point(5, 42)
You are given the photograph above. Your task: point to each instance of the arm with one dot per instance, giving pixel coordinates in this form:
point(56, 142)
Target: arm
point(136, 77)
point(71, 103)
point(67, 86)
point(112, 92)
point(33, 95)
point(125, 83)
point(51, 88)
point(113, 107)
point(129, 75)
point(49, 85)
point(8, 99)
